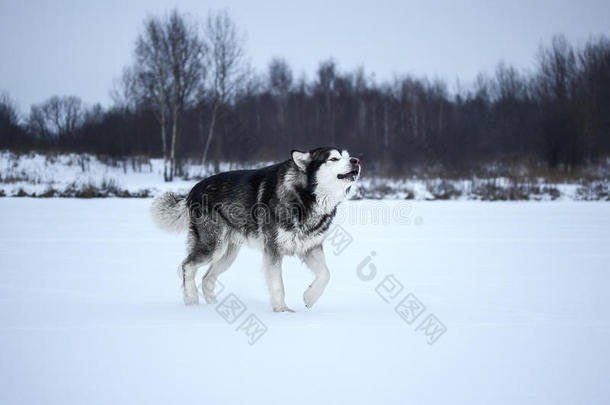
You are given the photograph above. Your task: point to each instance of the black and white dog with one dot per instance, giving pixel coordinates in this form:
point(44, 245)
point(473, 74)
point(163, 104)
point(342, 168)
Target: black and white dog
point(283, 209)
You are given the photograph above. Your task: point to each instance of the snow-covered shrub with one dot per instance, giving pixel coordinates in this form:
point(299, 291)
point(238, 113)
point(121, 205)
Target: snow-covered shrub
point(443, 190)
point(595, 190)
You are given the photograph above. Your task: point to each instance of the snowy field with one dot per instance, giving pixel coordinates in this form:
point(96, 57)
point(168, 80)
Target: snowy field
point(92, 314)
point(72, 174)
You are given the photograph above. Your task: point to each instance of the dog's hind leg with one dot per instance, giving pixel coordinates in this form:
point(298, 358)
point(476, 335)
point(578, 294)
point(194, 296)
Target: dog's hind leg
point(205, 246)
point(189, 271)
point(208, 281)
point(314, 259)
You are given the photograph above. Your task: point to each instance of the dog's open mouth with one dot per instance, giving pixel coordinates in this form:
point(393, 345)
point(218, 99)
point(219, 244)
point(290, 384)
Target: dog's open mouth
point(351, 176)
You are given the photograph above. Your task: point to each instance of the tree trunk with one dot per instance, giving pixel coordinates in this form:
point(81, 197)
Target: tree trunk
point(210, 133)
point(330, 117)
point(173, 144)
point(218, 154)
point(164, 146)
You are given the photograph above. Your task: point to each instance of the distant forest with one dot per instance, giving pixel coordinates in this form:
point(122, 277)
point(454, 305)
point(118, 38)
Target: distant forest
point(189, 93)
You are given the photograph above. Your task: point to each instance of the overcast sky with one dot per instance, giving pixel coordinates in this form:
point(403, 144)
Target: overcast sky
point(79, 47)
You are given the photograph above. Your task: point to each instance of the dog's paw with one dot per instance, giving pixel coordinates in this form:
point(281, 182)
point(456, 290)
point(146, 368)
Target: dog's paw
point(282, 308)
point(310, 296)
point(190, 299)
point(210, 300)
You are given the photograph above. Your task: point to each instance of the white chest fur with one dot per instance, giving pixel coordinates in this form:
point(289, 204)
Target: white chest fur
point(295, 242)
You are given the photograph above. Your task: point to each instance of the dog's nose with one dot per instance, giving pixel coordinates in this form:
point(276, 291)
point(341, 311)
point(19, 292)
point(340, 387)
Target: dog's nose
point(354, 161)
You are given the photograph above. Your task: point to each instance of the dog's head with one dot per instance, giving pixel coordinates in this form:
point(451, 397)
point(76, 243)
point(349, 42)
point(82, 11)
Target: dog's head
point(332, 170)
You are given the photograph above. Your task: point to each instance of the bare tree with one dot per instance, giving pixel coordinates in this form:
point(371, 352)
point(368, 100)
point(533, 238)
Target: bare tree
point(280, 76)
point(280, 80)
point(325, 87)
point(8, 109)
point(10, 129)
point(36, 123)
point(169, 67)
point(559, 111)
point(152, 74)
point(186, 52)
point(557, 70)
point(556, 87)
point(58, 116)
point(124, 92)
point(227, 67)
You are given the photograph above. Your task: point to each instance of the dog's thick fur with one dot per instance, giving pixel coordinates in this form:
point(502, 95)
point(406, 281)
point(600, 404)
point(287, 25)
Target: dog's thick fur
point(283, 209)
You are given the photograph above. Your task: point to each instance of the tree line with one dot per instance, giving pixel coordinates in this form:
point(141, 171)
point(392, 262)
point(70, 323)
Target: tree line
point(189, 93)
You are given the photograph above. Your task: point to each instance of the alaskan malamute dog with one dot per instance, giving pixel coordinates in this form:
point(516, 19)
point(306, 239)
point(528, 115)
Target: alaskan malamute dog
point(284, 209)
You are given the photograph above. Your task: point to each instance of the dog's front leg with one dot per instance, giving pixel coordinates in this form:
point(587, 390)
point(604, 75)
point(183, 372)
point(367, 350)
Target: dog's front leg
point(314, 259)
point(273, 275)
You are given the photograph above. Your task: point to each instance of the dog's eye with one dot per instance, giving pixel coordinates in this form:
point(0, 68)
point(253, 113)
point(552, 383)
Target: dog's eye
point(333, 159)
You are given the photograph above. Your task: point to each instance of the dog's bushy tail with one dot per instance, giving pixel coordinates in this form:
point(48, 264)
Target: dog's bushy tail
point(170, 212)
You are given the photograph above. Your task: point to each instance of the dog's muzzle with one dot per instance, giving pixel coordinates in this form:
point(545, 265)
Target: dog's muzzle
point(353, 174)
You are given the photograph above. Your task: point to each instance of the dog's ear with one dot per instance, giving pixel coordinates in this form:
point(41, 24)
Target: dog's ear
point(300, 158)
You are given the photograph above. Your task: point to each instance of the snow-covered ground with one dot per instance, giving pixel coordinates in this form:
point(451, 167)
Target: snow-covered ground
point(38, 175)
point(91, 309)
point(35, 173)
